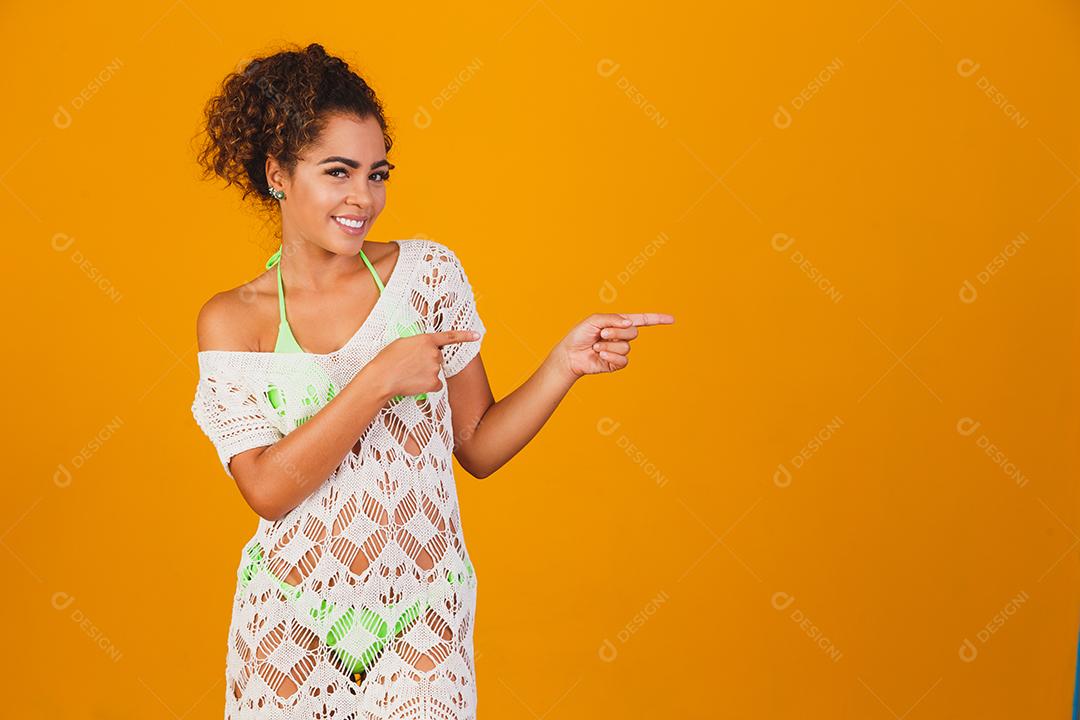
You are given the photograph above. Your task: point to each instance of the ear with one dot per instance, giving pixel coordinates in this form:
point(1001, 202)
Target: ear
point(275, 175)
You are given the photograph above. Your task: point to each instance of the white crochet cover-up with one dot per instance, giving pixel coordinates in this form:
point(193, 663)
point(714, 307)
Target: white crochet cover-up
point(379, 540)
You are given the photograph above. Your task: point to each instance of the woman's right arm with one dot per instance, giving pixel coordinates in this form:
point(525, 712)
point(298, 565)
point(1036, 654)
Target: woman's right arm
point(276, 478)
point(273, 479)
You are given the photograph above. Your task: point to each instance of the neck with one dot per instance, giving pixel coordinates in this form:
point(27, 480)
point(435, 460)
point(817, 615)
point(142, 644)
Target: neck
point(311, 267)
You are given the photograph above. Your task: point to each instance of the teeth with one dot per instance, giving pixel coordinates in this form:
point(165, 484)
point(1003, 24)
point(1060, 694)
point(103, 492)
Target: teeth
point(350, 223)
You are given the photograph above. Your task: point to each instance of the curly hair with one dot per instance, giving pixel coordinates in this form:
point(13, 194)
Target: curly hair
point(275, 106)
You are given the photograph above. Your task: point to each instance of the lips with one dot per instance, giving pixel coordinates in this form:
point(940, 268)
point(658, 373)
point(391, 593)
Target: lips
point(351, 223)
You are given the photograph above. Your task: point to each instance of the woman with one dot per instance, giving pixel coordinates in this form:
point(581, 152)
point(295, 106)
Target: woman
point(355, 597)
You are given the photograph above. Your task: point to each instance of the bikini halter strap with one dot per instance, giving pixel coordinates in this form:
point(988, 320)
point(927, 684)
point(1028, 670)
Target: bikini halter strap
point(378, 280)
point(275, 259)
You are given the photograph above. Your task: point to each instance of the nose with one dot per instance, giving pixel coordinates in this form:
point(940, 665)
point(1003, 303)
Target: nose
point(360, 194)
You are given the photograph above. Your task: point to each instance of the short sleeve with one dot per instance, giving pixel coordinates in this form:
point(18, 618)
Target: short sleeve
point(452, 305)
point(231, 417)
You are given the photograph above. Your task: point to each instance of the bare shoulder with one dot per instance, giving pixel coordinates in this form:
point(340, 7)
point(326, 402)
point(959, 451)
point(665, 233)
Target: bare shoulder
point(231, 318)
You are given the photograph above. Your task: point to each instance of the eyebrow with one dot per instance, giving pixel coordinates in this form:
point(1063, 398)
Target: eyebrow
point(352, 163)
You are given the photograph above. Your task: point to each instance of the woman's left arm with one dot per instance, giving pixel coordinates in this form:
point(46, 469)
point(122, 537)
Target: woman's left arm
point(488, 433)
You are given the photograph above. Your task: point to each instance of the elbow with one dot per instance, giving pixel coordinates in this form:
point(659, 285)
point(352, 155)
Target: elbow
point(269, 507)
point(265, 506)
point(269, 511)
point(254, 488)
point(272, 517)
point(477, 470)
point(469, 465)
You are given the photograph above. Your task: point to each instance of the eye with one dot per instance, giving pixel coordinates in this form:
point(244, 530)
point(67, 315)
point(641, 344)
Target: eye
point(331, 171)
point(381, 176)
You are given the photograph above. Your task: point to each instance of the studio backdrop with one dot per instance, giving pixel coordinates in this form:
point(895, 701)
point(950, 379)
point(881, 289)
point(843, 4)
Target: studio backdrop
point(841, 485)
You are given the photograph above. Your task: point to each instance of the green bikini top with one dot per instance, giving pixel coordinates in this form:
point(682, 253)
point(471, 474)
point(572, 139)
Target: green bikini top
point(286, 341)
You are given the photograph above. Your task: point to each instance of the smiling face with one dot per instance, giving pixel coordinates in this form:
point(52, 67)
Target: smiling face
point(338, 186)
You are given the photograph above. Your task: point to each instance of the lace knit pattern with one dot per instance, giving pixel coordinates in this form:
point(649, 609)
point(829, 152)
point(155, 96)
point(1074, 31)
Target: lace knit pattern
point(359, 603)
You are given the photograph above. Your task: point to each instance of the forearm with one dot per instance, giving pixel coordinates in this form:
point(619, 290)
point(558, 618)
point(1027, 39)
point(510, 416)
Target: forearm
point(509, 424)
point(295, 466)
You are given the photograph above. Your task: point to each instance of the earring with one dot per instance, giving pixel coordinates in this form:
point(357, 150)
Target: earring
point(279, 194)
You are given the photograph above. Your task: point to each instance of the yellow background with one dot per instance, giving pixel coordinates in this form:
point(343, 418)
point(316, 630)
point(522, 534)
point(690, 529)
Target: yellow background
point(646, 555)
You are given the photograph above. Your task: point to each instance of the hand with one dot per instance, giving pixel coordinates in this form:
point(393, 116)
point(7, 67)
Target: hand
point(601, 342)
point(410, 365)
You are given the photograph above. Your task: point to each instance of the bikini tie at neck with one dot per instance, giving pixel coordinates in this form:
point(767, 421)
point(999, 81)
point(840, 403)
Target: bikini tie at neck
point(273, 259)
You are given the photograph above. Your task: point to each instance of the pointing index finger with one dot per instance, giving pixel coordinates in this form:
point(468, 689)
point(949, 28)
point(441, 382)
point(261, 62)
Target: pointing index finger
point(446, 337)
point(642, 319)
